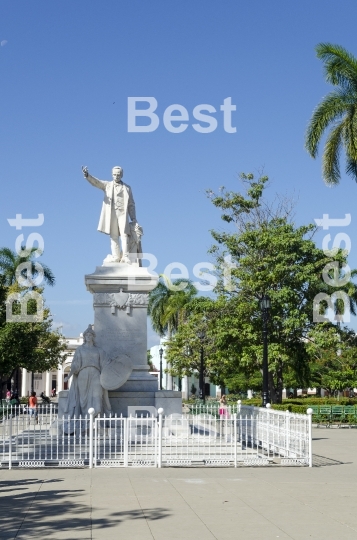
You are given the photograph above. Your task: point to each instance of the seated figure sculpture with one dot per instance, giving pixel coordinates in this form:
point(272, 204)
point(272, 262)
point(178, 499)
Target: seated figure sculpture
point(86, 390)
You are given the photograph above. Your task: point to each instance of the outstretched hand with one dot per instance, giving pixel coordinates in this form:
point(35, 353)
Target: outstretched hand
point(85, 171)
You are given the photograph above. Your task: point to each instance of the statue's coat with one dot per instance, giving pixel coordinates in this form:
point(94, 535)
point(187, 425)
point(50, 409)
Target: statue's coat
point(108, 213)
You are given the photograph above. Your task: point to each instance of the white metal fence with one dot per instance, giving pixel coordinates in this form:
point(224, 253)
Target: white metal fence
point(250, 437)
point(43, 410)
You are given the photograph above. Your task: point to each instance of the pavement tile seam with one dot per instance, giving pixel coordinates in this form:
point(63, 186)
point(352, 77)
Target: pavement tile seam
point(192, 510)
point(138, 502)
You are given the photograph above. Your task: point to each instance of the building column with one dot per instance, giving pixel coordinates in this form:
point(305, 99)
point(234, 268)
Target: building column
point(24, 385)
point(186, 387)
point(169, 379)
point(59, 379)
point(48, 383)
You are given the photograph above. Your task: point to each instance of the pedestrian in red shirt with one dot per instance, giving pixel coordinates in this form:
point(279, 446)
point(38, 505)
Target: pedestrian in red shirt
point(33, 406)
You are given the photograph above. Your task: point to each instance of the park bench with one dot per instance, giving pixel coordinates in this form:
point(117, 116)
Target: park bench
point(350, 413)
point(337, 413)
point(315, 413)
point(325, 413)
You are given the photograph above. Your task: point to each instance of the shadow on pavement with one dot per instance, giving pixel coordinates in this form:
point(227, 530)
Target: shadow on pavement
point(322, 461)
point(44, 512)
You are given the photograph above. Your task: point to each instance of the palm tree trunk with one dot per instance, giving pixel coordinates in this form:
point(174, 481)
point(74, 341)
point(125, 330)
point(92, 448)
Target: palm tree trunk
point(168, 376)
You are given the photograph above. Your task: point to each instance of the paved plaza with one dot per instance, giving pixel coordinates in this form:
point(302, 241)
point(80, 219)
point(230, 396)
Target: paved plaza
point(184, 504)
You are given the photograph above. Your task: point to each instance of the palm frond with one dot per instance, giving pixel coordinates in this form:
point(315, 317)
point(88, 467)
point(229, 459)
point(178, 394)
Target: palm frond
point(48, 275)
point(340, 66)
point(333, 106)
point(331, 155)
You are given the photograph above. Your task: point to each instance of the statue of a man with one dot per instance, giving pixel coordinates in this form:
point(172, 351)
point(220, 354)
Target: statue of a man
point(118, 207)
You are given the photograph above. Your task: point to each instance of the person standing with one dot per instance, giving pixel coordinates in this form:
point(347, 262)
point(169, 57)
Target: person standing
point(223, 407)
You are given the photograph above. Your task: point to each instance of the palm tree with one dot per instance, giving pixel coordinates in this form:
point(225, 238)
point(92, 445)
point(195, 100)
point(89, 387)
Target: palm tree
point(10, 262)
point(168, 303)
point(338, 110)
point(168, 306)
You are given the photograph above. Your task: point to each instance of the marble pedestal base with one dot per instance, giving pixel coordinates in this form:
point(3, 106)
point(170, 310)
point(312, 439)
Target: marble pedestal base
point(135, 403)
point(120, 298)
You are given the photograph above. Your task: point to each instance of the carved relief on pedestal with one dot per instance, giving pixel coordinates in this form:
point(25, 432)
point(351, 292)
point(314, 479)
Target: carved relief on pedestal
point(121, 300)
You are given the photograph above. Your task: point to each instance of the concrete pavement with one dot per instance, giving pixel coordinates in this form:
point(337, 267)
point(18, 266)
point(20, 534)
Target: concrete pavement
point(186, 504)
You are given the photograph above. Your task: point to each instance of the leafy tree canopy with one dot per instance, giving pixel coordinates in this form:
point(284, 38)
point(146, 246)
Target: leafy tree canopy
point(267, 254)
point(30, 345)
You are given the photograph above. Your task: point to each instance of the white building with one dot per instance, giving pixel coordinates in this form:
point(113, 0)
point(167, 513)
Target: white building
point(45, 382)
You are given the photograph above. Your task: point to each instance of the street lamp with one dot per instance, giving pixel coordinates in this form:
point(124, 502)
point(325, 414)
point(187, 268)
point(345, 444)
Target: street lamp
point(160, 353)
point(201, 336)
point(265, 305)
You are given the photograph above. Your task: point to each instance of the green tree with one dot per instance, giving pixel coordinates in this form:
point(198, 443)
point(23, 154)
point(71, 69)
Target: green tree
point(333, 352)
point(267, 254)
point(337, 111)
point(149, 360)
point(33, 346)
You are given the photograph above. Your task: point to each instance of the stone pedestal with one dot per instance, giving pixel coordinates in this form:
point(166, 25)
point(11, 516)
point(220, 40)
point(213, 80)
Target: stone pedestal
point(120, 298)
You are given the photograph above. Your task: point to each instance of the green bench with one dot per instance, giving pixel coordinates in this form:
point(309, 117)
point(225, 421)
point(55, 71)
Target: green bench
point(350, 413)
point(325, 413)
point(337, 413)
point(333, 413)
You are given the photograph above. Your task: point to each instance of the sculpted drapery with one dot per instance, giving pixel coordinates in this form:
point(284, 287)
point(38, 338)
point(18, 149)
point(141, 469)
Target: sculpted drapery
point(86, 390)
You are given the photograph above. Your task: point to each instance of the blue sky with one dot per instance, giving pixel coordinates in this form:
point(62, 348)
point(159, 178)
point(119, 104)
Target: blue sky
point(67, 71)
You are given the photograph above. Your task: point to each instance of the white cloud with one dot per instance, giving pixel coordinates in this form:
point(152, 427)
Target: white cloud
point(3, 42)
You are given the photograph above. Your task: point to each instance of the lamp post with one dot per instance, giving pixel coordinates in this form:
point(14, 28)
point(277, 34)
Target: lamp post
point(265, 305)
point(201, 335)
point(160, 353)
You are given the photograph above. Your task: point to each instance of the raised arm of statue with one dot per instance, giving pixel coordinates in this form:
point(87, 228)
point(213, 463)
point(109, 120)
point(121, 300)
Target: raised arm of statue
point(92, 180)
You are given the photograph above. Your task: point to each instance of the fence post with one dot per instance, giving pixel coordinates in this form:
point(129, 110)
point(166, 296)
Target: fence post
point(159, 461)
point(91, 412)
point(268, 407)
point(239, 404)
point(235, 438)
point(309, 412)
point(10, 441)
point(126, 440)
point(287, 434)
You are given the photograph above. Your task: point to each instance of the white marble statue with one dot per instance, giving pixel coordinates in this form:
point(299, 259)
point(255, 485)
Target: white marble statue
point(86, 390)
point(118, 207)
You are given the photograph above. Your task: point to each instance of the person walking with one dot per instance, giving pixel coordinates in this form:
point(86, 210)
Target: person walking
point(8, 396)
point(33, 406)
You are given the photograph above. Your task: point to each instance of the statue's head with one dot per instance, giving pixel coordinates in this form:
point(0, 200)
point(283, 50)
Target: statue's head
point(117, 173)
point(89, 334)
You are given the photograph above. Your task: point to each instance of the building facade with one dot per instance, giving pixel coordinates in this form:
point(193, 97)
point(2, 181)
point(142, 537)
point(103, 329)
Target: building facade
point(46, 382)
